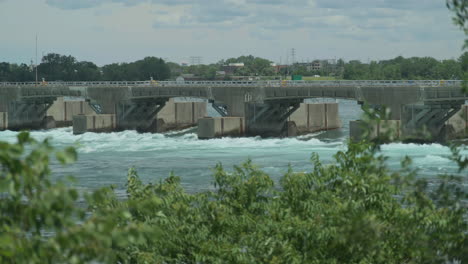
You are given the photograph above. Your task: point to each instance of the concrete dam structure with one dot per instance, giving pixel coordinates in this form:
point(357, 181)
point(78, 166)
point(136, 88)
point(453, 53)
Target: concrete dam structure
point(62, 111)
point(265, 105)
point(173, 116)
point(78, 113)
point(306, 119)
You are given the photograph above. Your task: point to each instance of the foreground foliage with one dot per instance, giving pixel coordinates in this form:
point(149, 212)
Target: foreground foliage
point(460, 10)
point(42, 222)
point(352, 211)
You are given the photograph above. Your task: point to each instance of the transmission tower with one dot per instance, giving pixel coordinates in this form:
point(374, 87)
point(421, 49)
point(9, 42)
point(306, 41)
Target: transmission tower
point(293, 56)
point(195, 60)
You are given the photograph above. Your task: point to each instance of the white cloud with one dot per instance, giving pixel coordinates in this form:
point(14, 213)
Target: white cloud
point(118, 30)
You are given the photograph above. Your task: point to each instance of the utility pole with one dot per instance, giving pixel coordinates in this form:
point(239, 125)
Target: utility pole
point(36, 62)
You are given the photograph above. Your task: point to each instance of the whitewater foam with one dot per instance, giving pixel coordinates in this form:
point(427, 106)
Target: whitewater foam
point(105, 157)
point(131, 141)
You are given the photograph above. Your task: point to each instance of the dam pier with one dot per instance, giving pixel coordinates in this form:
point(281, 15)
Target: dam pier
point(247, 108)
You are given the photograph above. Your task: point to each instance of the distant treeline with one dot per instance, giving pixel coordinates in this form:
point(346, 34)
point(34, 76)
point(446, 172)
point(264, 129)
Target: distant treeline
point(407, 69)
point(55, 67)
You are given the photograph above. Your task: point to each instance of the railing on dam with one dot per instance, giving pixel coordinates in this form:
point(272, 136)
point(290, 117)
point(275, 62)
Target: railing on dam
point(273, 83)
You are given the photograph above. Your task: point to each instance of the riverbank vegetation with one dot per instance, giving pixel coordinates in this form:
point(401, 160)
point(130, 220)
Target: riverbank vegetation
point(353, 210)
point(56, 67)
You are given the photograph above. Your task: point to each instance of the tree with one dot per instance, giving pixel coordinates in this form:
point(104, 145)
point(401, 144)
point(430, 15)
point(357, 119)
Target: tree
point(56, 67)
point(449, 70)
point(415, 68)
point(152, 67)
point(140, 70)
point(351, 211)
point(460, 9)
point(463, 60)
point(5, 72)
point(175, 69)
point(391, 72)
point(86, 71)
point(253, 66)
point(112, 72)
point(300, 70)
point(40, 221)
point(21, 73)
point(355, 70)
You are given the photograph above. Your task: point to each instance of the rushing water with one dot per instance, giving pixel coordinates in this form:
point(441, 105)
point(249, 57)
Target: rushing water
point(105, 158)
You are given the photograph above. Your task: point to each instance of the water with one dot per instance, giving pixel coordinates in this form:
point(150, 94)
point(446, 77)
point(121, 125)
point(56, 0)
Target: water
point(105, 158)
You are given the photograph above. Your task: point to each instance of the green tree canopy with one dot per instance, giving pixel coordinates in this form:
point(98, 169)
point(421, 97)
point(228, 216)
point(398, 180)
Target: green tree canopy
point(253, 66)
point(141, 70)
point(399, 68)
point(460, 9)
point(353, 210)
point(58, 67)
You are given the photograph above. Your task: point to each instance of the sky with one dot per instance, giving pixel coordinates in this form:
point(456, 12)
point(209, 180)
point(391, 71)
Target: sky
point(109, 31)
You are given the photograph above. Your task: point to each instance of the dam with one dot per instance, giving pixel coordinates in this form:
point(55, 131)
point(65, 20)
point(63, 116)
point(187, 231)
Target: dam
point(264, 106)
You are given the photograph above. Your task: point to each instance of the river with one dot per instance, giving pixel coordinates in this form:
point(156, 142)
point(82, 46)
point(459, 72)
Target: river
point(105, 158)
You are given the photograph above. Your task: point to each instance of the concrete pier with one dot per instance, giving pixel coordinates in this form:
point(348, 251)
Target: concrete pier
point(217, 127)
point(289, 118)
point(172, 116)
point(179, 115)
point(93, 123)
point(62, 111)
point(306, 119)
point(3, 121)
point(455, 127)
point(426, 122)
point(315, 117)
point(25, 115)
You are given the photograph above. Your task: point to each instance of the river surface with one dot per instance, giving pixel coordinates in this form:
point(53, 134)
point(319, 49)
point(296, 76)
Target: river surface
point(105, 158)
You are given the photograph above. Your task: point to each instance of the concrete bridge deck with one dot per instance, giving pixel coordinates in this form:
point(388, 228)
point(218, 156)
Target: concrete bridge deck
point(277, 83)
point(416, 101)
point(371, 91)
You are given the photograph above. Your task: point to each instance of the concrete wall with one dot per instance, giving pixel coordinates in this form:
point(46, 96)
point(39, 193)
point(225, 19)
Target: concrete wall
point(63, 111)
point(167, 113)
point(7, 95)
point(26, 115)
point(3, 120)
point(457, 126)
point(216, 127)
point(173, 116)
point(315, 117)
point(180, 115)
point(108, 97)
point(266, 119)
point(385, 129)
point(93, 123)
point(235, 97)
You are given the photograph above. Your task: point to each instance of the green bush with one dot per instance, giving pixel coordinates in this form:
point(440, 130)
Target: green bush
point(354, 210)
point(41, 222)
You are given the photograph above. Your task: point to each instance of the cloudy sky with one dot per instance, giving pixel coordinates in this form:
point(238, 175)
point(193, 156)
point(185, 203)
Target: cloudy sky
point(106, 31)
